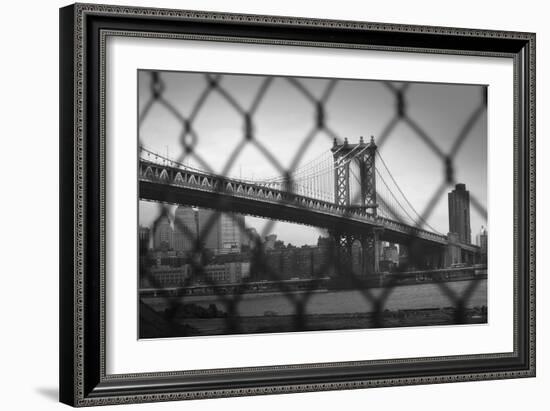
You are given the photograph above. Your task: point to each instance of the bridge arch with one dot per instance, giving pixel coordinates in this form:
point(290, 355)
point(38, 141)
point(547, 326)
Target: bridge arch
point(149, 172)
point(179, 179)
point(164, 175)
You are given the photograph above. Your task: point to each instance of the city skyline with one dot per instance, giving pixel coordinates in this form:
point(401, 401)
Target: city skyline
point(483, 231)
point(459, 222)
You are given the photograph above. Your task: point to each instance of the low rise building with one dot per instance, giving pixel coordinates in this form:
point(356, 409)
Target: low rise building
point(232, 272)
point(166, 277)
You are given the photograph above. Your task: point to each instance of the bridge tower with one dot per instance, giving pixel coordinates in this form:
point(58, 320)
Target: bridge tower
point(366, 159)
point(341, 154)
point(364, 156)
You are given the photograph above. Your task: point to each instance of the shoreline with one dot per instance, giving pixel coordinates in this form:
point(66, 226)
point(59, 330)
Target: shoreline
point(382, 281)
point(315, 322)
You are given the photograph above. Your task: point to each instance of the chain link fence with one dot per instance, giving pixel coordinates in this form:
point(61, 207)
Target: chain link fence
point(189, 293)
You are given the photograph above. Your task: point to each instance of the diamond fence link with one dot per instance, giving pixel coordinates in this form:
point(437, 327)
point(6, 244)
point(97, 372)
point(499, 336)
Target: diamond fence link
point(173, 319)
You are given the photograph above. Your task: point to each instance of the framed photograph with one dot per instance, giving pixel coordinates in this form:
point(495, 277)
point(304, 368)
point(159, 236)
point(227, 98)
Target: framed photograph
point(261, 204)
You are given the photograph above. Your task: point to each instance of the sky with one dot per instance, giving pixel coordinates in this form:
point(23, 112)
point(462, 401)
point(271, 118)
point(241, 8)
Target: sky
point(285, 116)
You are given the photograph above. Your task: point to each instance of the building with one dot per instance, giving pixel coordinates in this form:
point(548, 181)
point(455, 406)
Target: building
point(322, 261)
point(303, 265)
point(389, 258)
point(481, 241)
point(237, 271)
point(357, 259)
point(270, 241)
point(215, 273)
point(168, 258)
point(459, 213)
point(391, 253)
point(144, 235)
point(293, 263)
point(231, 233)
point(209, 229)
point(221, 232)
point(325, 242)
point(163, 234)
point(380, 245)
point(185, 229)
point(403, 257)
point(166, 277)
point(227, 273)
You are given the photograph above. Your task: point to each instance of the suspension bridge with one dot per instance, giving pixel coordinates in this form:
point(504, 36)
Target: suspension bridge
point(348, 190)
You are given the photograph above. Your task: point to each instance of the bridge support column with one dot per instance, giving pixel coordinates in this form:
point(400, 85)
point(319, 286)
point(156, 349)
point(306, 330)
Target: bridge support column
point(342, 253)
point(367, 169)
point(453, 253)
point(370, 244)
point(369, 256)
point(341, 174)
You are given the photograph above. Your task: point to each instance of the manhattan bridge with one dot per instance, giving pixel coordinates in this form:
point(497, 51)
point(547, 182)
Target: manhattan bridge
point(348, 190)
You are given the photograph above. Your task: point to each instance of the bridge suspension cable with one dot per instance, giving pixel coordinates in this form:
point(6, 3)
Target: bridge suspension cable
point(327, 157)
point(394, 202)
point(420, 219)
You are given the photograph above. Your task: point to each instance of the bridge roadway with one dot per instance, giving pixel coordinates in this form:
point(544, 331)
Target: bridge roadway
point(175, 185)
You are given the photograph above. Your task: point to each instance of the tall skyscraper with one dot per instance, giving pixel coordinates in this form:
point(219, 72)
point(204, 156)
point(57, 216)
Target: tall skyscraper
point(144, 235)
point(231, 232)
point(162, 234)
point(209, 229)
point(459, 213)
point(185, 229)
point(481, 240)
point(221, 232)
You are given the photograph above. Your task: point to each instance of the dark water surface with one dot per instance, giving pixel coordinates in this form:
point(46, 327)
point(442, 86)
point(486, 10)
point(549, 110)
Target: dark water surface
point(407, 297)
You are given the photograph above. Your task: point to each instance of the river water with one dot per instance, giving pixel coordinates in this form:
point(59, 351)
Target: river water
point(406, 297)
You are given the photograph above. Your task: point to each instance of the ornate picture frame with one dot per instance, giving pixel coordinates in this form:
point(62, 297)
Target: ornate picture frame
point(84, 377)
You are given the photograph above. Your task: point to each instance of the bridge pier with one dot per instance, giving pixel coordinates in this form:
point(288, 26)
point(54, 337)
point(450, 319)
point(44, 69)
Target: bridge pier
point(369, 255)
point(342, 254)
point(364, 155)
point(453, 253)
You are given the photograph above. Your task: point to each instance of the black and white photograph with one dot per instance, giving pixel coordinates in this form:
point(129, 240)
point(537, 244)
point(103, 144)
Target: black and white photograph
point(272, 204)
point(335, 202)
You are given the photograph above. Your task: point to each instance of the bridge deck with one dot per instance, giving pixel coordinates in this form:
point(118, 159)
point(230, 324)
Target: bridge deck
point(192, 187)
